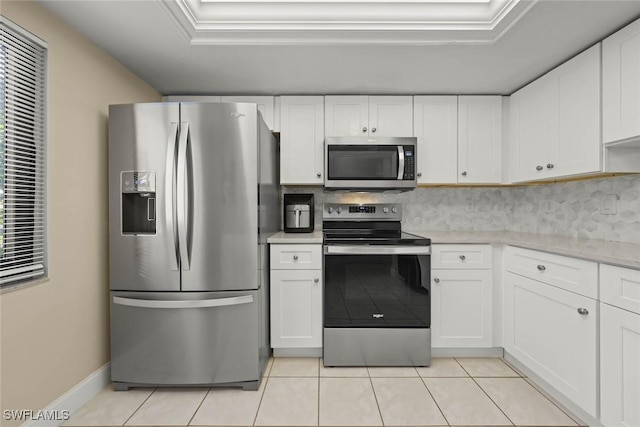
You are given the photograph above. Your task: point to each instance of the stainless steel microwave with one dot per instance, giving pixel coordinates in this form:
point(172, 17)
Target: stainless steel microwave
point(365, 163)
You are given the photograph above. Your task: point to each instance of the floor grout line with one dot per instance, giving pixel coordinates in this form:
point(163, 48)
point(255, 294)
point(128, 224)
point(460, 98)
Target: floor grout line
point(435, 401)
point(140, 406)
point(198, 408)
point(551, 399)
point(493, 401)
point(375, 396)
point(266, 380)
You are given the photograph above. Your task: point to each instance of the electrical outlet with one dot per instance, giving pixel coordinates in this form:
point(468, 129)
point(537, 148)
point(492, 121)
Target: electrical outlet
point(608, 204)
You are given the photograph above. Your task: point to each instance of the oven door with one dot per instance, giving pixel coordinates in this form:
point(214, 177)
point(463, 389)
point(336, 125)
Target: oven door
point(377, 286)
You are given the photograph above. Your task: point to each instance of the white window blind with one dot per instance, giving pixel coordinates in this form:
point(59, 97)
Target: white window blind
point(23, 60)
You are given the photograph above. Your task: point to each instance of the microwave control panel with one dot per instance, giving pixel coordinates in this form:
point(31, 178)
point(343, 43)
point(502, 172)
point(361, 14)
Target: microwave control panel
point(409, 163)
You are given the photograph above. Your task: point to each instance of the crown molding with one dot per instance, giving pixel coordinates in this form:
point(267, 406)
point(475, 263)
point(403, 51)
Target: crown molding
point(338, 22)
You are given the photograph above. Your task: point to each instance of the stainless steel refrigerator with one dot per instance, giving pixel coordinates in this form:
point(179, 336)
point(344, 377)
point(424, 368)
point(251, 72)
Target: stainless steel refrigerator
point(193, 196)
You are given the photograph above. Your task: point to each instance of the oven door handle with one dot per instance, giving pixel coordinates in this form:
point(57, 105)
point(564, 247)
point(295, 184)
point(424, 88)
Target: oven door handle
point(376, 250)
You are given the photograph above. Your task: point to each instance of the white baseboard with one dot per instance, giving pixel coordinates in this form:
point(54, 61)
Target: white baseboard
point(75, 398)
point(467, 352)
point(297, 352)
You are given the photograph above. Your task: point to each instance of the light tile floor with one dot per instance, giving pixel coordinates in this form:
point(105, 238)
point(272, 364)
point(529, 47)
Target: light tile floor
point(302, 392)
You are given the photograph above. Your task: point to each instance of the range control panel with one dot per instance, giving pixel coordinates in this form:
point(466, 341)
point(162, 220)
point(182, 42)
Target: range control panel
point(350, 211)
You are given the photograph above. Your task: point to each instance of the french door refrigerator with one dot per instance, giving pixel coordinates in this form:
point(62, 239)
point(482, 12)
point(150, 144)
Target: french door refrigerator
point(193, 196)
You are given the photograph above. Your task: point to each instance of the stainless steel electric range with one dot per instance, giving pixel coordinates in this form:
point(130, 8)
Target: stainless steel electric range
point(376, 288)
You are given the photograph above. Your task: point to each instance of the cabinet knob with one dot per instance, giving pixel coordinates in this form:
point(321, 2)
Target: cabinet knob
point(364, 129)
point(550, 165)
point(373, 129)
point(316, 280)
point(583, 311)
point(295, 257)
point(541, 267)
point(464, 173)
point(462, 257)
point(539, 168)
point(419, 175)
point(318, 175)
point(435, 279)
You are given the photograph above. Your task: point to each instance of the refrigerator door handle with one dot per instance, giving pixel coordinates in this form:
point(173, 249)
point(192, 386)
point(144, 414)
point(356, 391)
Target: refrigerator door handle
point(181, 196)
point(206, 303)
point(169, 195)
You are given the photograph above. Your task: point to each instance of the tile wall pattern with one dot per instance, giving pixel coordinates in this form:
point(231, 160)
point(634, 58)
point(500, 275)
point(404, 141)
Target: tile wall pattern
point(567, 209)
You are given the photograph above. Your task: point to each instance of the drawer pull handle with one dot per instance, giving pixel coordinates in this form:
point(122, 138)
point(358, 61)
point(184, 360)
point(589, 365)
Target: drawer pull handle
point(435, 279)
point(295, 257)
point(462, 257)
point(541, 267)
point(316, 280)
point(583, 311)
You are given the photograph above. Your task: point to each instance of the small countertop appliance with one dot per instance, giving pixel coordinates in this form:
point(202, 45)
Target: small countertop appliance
point(298, 213)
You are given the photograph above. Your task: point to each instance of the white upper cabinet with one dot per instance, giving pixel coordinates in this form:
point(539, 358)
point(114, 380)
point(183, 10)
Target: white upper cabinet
point(555, 122)
point(301, 140)
point(621, 85)
point(435, 121)
point(265, 106)
point(480, 139)
point(368, 116)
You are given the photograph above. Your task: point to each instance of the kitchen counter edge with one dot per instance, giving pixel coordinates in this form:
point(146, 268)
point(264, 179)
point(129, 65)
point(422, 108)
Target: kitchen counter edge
point(296, 238)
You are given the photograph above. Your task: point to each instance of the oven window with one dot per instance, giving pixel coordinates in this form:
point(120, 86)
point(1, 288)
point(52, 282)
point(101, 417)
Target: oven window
point(377, 291)
point(363, 162)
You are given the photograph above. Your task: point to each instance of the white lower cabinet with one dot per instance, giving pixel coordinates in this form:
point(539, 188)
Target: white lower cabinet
point(461, 308)
point(554, 333)
point(296, 296)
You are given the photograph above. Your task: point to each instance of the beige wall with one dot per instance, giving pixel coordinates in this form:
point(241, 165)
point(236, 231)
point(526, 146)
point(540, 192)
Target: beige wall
point(55, 334)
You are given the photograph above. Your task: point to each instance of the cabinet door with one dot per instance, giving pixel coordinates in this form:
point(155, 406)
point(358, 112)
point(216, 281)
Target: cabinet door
point(346, 115)
point(579, 148)
point(461, 308)
point(621, 84)
point(265, 106)
point(531, 129)
point(301, 139)
point(479, 139)
point(390, 116)
point(296, 308)
point(435, 124)
point(544, 330)
point(619, 367)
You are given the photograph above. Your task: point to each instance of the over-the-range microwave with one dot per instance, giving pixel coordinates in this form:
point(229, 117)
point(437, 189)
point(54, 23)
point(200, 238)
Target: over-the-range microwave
point(366, 163)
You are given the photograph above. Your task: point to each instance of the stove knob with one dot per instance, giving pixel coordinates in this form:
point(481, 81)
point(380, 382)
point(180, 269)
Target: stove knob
point(394, 210)
point(338, 210)
point(385, 210)
point(329, 209)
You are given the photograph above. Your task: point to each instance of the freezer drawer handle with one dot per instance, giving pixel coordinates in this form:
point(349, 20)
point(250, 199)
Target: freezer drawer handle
point(205, 303)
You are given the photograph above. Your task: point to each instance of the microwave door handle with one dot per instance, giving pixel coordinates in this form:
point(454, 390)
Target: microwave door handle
point(400, 162)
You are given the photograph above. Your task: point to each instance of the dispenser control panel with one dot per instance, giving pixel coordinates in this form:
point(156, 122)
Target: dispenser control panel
point(138, 182)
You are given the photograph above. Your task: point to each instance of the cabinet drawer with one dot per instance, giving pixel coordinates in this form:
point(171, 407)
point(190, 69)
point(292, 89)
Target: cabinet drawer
point(572, 274)
point(296, 257)
point(620, 287)
point(461, 257)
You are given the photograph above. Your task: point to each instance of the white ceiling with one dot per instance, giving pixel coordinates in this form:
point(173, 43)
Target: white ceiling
point(243, 47)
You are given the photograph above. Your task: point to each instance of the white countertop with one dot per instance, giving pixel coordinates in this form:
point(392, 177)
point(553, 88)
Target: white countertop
point(604, 251)
point(296, 238)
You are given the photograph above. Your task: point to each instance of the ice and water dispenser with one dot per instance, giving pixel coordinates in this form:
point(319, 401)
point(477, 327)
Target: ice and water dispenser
point(138, 190)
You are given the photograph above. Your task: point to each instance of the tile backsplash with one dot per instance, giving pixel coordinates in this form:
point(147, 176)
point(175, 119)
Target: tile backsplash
point(570, 209)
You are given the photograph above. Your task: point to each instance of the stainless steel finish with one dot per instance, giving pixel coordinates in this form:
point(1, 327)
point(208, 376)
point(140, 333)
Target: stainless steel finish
point(216, 302)
point(377, 347)
point(169, 195)
point(376, 250)
point(373, 130)
point(583, 311)
point(464, 173)
point(435, 279)
point(185, 345)
point(384, 212)
point(539, 168)
point(462, 257)
point(316, 280)
point(550, 166)
point(298, 216)
point(400, 162)
point(397, 184)
point(181, 196)
point(142, 262)
point(541, 267)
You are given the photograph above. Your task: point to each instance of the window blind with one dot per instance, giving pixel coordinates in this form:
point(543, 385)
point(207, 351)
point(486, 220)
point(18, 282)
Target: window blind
point(23, 60)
